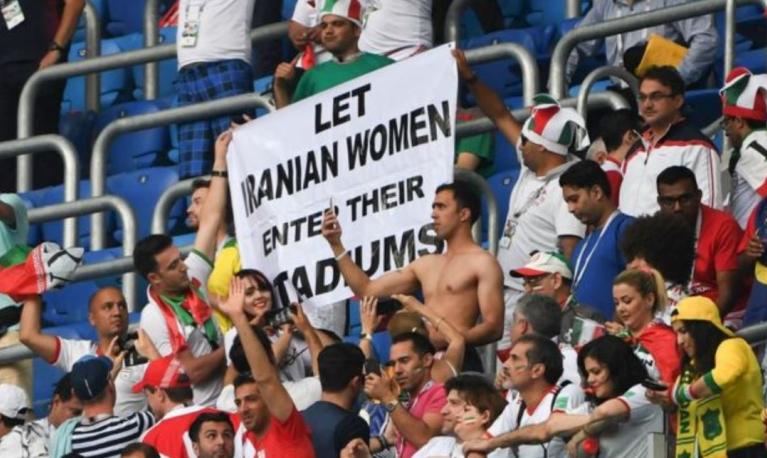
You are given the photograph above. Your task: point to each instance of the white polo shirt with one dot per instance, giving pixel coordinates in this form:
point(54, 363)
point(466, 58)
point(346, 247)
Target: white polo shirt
point(223, 33)
point(537, 216)
point(396, 28)
point(560, 399)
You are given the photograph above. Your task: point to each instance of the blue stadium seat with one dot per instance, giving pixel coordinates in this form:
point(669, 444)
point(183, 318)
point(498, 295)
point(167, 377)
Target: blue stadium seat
point(287, 9)
point(545, 12)
point(77, 127)
point(353, 325)
point(505, 154)
point(753, 59)
point(704, 106)
point(504, 75)
point(135, 150)
point(101, 12)
point(116, 85)
point(168, 70)
point(70, 304)
point(501, 184)
point(141, 189)
point(125, 17)
point(52, 230)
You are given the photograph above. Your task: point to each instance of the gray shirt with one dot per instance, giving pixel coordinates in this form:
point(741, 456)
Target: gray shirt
point(698, 33)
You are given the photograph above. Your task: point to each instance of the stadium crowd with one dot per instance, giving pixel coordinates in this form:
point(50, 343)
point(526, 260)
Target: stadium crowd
point(620, 280)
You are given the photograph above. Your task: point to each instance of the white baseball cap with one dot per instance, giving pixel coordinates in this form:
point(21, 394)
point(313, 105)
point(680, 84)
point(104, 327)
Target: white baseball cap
point(13, 401)
point(542, 263)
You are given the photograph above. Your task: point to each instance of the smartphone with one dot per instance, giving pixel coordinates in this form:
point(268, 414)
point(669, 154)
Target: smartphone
point(388, 306)
point(372, 367)
point(651, 384)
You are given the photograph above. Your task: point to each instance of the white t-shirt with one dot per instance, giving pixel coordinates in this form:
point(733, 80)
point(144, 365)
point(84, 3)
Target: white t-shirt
point(224, 30)
point(749, 182)
point(293, 365)
point(153, 323)
point(448, 447)
point(569, 365)
point(567, 397)
point(304, 393)
point(127, 402)
point(629, 439)
point(542, 217)
point(396, 28)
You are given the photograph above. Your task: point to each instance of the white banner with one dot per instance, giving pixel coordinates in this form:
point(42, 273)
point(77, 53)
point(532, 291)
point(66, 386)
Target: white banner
point(377, 146)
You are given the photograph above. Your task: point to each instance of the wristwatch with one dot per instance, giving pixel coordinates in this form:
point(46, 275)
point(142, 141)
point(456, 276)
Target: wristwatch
point(56, 47)
point(366, 335)
point(391, 405)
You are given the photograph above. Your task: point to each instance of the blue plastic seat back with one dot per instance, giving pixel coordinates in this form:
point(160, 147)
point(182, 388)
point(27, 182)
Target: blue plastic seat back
point(125, 16)
point(116, 85)
point(703, 106)
point(31, 200)
point(52, 230)
point(167, 70)
point(101, 11)
point(135, 150)
point(501, 184)
point(142, 189)
point(503, 75)
point(77, 127)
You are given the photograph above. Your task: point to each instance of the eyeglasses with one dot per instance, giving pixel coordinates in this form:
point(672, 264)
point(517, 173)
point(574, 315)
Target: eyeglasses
point(654, 97)
point(535, 281)
point(670, 201)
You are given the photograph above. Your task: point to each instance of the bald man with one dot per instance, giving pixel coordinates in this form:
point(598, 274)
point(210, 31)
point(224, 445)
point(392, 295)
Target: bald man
point(108, 314)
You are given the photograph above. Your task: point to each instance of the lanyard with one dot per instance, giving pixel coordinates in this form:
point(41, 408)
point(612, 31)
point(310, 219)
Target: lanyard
point(580, 269)
point(531, 200)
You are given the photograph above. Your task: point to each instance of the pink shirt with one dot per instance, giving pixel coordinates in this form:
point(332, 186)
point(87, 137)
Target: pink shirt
point(431, 399)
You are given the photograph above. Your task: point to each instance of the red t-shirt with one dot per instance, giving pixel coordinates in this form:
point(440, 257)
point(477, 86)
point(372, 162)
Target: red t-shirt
point(290, 438)
point(431, 399)
point(615, 177)
point(717, 250)
point(169, 437)
point(660, 340)
point(748, 234)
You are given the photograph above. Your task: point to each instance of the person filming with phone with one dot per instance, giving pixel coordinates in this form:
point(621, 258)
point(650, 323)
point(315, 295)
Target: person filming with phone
point(460, 285)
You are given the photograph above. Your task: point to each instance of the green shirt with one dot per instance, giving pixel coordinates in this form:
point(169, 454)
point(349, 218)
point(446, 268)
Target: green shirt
point(332, 73)
point(480, 145)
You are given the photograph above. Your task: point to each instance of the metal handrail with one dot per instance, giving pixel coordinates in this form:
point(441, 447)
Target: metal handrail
point(166, 201)
point(98, 204)
point(526, 60)
point(453, 20)
point(572, 9)
point(100, 64)
point(596, 75)
point(151, 39)
point(205, 110)
point(92, 50)
point(68, 153)
point(557, 72)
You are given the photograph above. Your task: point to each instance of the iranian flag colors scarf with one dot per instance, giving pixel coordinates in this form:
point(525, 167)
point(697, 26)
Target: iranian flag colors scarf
point(191, 311)
point(700, 428)
point(26, 272)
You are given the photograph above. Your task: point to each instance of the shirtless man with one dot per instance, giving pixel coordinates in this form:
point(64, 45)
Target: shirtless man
point(460, 284)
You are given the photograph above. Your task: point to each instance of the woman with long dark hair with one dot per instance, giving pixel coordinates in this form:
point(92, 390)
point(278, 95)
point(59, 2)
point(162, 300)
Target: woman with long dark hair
point(617, 416)
point(719, 393)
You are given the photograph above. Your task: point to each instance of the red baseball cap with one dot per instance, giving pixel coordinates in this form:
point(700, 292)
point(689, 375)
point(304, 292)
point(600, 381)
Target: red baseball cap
point(163, 372)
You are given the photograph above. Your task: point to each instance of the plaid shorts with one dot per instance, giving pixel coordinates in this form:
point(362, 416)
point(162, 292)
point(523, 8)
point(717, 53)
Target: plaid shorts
point(201, 83)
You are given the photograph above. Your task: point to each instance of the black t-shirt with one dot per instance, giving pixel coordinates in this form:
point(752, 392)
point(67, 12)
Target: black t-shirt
point(333, 427)
point(29, 40)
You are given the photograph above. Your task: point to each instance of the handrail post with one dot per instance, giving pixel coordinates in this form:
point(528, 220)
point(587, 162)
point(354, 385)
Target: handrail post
point(68, 153)
point(573, 9)
point(98, 204)
point(527, 64)
point(453, 20)
point(596, 75)
point(188, 113)
point(151, 38)
point(92, 50)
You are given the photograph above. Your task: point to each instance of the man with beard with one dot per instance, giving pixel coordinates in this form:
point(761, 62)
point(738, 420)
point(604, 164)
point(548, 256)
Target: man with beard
point(212, 435)
point(108, 314)
point(461, 284)
point(597, 258)
point(717, 236)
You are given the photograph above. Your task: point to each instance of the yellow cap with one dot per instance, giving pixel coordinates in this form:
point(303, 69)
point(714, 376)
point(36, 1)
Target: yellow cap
point(699, 308)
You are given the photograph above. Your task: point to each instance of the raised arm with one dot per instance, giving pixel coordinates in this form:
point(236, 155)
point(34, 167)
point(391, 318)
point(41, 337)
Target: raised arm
point(398, 282)
point(489, 294)
point(488, 101)
point(214, 208)
point(275, 396)
point(201, 368)
point(310, 335)
point(452, 362)
point(44, 345)
point(369, 321)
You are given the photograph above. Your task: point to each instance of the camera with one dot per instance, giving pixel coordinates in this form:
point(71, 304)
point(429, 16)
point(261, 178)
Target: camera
point(127, 343)
point(280, 316)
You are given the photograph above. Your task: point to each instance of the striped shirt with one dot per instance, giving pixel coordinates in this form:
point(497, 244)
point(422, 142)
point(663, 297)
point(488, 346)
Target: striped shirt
point(106, 438)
